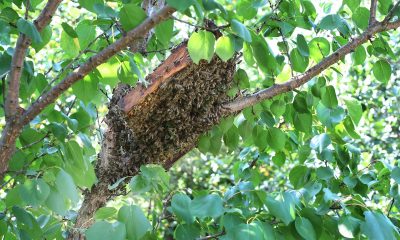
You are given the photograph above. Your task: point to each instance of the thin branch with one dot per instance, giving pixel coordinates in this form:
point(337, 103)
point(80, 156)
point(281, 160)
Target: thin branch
point(299, 80)
point(201, 27)
point(93, 62)
point(390, 207)
point(215, 236)
point(391, 13)
point(372, 11)
point(27, 5)
point(23, 42)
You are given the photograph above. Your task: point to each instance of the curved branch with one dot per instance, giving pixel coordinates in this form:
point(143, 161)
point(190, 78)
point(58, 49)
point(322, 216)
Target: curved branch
point(372, 11)
point(297, 81)
point(94, 62)
point(23, 42)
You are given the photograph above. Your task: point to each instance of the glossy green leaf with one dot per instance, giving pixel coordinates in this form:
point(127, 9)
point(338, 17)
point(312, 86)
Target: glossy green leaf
point(302, 46)
point(298, 61)
point(225, 48)
point(136, 223)
point(276, 139)
point(131, 16)
point(382, 70)
point(201, 46)
point(241, 30)
point(361, 17)
point(305, 228)
point(180, 205)
point(103, 230)
point(29, 29)
point(378, 226)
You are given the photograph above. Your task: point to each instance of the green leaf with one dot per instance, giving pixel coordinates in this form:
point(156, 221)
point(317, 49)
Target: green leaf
point(330, 117)
point(260, 137)
point(180, 205)
point(247, 231)
point(299, 176)
point(27, 223)
point(378, 226)
point(86, 33)
point(87, 88)
point(77, 166)
point(207, 206)
point(29, 29)
point(359, 55)
point(303, 122)
point(204, 144)
point(164, 31)
point(69, 30)
point(225, 48)
point(241, 30)
point(57, 203)
point(186, 231)
point(35, 192)
point(360, 17)
point(231, 138)
point(382, 70)
point(283, 209)
point(349, 226)
point(302, 46)
point(89, 4)
point(263, 56)
point(45, 34)
point(241, 79)
point(330, 22)
point(201, 46)
point(396, 174)
point(299, 62)
point(320, 142)
point(131, 16)
point(180, 5)
point(319, 48)
point(66, 187)
point(136, 223)
point(139, 184)
point(276, 139)
point(305, 228)
point(70, 45)
point(328, 97)
point(105, 212)
point(103, 230)
point(324, 173)
point(278, 107)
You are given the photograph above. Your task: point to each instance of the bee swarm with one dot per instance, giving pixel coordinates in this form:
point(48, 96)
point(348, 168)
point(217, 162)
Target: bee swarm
point(162, 122)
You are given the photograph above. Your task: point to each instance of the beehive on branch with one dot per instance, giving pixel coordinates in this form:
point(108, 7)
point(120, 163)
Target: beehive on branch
point(161, 122)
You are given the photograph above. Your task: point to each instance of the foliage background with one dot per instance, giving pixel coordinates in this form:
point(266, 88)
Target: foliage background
point(317, 163)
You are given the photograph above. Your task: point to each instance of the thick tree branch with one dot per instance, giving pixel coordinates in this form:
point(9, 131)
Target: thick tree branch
point(23, 42)
point(372, 10)
point(299, 80)
point(94, 62)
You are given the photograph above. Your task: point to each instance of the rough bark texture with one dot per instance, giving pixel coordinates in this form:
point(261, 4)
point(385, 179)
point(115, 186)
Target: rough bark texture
point(157, 124)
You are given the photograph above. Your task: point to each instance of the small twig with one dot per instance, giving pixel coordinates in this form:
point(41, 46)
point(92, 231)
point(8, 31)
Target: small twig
point(390, 207)
point(201, 27)
point(70, 107)
point(27, 4)
point(215, 236)
point(287, 51)
point(34, 143)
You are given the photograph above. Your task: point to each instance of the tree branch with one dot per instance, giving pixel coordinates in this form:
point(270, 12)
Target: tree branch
point(391, 13)
point(297, 81)
point(95, 61)
point(23, 42)
point(372, 10)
